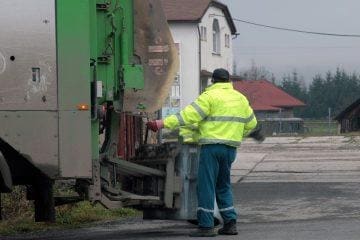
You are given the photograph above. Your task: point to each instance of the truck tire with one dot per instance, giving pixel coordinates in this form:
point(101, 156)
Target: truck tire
point(6, 183)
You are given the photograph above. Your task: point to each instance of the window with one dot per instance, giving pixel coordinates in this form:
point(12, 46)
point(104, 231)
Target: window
point(216, 37)
point(227, 40)
point(203, 33)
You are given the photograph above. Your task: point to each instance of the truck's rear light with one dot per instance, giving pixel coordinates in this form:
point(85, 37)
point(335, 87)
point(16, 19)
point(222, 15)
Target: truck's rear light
point(83, 107)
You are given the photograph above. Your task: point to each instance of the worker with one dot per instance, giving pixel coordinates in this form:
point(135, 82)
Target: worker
point(224, 117)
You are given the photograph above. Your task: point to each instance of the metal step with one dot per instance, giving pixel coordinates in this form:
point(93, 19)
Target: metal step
point(133, 169)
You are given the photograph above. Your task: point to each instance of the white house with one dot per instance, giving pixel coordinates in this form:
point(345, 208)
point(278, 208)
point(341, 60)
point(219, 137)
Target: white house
point(202, 30)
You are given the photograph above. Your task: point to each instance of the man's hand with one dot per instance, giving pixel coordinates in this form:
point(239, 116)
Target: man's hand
point(155, 125)
point(257, 134)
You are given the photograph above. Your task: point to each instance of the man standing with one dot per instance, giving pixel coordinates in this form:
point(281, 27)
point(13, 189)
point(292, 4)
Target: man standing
point(224, 117)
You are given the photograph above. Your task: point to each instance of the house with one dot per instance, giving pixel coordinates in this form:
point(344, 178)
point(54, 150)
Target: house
point(349, 119)
point(202, 31)
point(272, 106)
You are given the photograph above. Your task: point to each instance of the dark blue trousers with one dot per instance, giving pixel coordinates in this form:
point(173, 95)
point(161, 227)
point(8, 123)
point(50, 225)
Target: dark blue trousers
point(214, 180)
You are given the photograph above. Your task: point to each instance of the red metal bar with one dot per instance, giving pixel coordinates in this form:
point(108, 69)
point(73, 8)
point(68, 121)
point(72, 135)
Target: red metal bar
point(130, 136)
point(122, 137)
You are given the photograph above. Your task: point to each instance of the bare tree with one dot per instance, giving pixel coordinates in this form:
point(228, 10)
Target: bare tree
point(257, 73)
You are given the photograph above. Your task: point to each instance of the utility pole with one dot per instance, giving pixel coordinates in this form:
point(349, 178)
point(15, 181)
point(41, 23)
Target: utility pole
point(329, 119)
point(280, 123)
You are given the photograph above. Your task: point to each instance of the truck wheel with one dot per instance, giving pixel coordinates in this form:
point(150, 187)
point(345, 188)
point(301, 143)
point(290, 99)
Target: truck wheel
point(44, 201)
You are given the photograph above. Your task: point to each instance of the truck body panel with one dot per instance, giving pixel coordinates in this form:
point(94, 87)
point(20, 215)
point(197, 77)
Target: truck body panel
point(28, 55)
point(34, 134)
point(44, 77)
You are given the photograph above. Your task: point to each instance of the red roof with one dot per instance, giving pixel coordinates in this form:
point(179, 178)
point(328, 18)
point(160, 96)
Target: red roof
point(194, 10)
point(185, 10)
point(265, 96)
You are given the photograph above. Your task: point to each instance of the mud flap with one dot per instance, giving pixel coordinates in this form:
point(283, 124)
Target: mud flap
point(156, 52)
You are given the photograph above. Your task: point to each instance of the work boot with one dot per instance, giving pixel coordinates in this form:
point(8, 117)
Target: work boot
point(229, 228)
point(196, 222)
point(203, 232)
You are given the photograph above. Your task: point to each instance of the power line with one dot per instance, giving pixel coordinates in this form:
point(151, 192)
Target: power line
point(300, 47)
point(296, 30)
point(293, 30)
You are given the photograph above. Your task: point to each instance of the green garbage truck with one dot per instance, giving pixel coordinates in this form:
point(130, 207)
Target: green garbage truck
point(78, 79)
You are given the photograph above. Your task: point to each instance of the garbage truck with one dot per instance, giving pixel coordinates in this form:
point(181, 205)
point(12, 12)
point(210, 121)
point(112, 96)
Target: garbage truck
point(78, 79)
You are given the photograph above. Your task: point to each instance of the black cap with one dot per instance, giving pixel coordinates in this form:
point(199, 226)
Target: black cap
point(220, 75)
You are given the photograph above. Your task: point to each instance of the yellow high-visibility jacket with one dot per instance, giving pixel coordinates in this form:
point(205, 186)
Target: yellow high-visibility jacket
point(189, 134)
point(224, 116)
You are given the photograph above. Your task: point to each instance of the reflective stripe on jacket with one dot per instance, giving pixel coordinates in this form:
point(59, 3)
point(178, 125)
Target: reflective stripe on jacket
point(223, 114)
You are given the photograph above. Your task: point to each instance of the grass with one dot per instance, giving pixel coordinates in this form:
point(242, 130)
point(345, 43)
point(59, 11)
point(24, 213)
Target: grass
point(19, 215)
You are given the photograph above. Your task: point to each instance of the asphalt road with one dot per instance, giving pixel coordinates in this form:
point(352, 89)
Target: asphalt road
point(295, 211)
point(285, 189)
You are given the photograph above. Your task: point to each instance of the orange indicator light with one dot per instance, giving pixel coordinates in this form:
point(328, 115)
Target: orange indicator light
point(82, 107)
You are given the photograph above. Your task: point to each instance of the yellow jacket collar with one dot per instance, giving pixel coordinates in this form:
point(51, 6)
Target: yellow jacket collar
point(220, 86)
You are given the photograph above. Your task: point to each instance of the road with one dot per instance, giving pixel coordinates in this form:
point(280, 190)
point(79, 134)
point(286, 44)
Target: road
point(286, 188)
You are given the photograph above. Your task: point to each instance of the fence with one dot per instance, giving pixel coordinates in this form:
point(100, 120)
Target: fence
point(320, 127)
point(298, 126)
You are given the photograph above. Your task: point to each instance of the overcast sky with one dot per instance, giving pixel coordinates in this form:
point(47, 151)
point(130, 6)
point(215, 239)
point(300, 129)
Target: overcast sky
point(280, 52)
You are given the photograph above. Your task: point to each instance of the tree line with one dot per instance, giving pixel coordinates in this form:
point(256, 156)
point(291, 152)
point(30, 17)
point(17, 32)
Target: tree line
point(333, 91)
